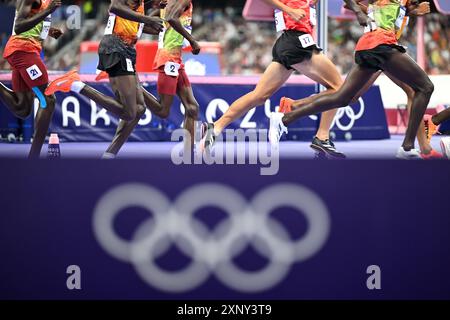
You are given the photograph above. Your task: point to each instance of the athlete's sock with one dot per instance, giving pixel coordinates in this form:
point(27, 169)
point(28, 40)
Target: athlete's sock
point(77, 86)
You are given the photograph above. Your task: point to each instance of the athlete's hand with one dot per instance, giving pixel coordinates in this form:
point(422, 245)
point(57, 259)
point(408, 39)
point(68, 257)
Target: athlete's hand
point(422, 9)
point(163, 4)
point(55, 33)
point(363, 19)
point(154, 23)
point(55, 4)
point(297, 14)
point(195, 47)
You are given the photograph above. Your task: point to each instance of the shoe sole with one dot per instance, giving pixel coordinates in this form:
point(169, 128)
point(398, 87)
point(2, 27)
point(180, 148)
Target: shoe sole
point(328, 154)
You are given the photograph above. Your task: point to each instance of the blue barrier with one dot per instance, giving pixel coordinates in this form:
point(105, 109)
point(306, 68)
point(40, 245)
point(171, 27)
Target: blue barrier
point(79, 119)
point(356, 214)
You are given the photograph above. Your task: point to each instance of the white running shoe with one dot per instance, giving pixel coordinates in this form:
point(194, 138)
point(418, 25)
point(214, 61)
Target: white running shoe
point(445, 147)
point(277, 128)
point(412, 154)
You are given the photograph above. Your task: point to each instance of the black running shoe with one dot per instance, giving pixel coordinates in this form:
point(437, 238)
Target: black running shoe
point(327, 147)
point(208, 137)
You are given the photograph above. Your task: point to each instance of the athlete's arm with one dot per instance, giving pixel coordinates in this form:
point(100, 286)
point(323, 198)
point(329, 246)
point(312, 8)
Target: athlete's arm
point(24, 22)
point(296, 14)
point(353, 5)
point(120, 8)
point(174, 11)
point(418, 9)
point(363, 7)
point(149, 30)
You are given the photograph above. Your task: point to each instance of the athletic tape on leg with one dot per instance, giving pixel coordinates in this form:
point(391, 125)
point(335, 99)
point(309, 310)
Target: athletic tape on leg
point(41, 97)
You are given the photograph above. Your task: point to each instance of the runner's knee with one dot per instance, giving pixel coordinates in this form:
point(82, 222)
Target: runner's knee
point(164, 114)
point(141, 110)
point(23, 113)
point(427, 88)
point(192, 110)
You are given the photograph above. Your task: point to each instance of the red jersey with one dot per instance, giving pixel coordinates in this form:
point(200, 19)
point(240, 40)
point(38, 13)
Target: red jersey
point(304, 24)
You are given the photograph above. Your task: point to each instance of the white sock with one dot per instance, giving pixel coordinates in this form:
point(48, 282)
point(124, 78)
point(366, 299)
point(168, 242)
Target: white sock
point(108, 155)
point(77, 86)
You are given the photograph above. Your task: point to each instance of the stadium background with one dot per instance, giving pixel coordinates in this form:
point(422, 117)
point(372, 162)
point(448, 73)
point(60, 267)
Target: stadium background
point(234, 51)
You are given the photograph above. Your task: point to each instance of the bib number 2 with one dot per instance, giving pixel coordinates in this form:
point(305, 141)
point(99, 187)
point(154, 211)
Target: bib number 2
point(171, 69)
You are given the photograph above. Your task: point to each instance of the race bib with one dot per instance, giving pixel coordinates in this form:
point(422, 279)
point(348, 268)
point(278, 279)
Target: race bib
point(129, 65)
point(171, 69)
point(372, 26)
point(161, 39)
point(313, 16)
point(401, 17)
point(140, 30)
point(280, 24)
point(186, 42)
point(34, 72)
point(306, 40)
point(110, 25)
point(46, 24)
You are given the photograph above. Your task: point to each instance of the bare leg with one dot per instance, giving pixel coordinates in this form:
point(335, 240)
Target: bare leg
point(153, 104)
point(406, 70)
point(320, 69)
point(351, 88)
point(191, 114)
point(42, 123)
point(19, 103)
point(130, 95)
point(425, 147)
point(110, 103)
point(272, 79)
point(441, 117)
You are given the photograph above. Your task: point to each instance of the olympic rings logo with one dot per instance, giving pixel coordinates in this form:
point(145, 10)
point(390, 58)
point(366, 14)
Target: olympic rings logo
point(212, 251)
point(350, 113)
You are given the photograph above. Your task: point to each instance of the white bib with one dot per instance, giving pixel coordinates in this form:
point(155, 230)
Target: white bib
point(306, 40)
point(140, 30)
point(313, 16)
point(401, 17)
point(186, 42)
point(280, 24)
point(129, 65)
point(46, 27)
point(111, 23)
point(171, 69)
point(372, 26)
point(161, 38)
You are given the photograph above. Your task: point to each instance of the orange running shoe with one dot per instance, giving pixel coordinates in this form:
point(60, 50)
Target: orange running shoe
point(433, 155)
point(285, 105)
point(102, 75)
point(63, 83)
point(430, 127)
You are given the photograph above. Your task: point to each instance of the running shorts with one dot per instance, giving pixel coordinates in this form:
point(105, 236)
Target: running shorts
point(28, 71)
point(290, 49)
point(376, 57)
point(116, 57)
point(169, 85)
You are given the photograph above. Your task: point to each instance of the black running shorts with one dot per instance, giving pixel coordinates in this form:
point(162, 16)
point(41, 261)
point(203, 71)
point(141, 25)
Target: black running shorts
point(116, 57)
point(288, 50)
point(376, 57)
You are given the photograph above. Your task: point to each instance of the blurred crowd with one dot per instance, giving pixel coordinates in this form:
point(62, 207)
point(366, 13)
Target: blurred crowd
point(247, 45)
